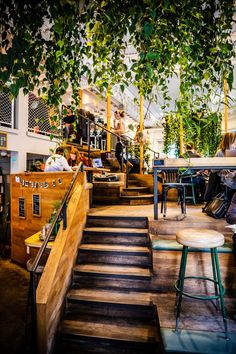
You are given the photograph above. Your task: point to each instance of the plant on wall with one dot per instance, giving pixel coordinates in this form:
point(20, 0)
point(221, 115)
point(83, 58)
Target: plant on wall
point(202, 128)
point(70, 39)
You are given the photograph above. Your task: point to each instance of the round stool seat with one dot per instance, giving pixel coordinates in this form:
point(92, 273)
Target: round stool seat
point(200, 238)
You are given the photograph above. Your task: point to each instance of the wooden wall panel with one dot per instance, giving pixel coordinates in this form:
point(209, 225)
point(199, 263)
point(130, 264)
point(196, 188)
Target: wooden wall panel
point(23, 228)
point(167, 263)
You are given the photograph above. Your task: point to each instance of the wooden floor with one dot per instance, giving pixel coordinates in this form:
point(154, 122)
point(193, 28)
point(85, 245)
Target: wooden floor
point(195, 315)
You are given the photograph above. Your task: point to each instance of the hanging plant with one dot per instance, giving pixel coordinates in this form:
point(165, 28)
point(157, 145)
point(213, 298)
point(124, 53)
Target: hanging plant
point(69, 39)
point(201, 128)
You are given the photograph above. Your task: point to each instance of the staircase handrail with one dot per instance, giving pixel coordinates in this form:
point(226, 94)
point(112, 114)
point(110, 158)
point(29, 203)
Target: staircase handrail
point(32, 267)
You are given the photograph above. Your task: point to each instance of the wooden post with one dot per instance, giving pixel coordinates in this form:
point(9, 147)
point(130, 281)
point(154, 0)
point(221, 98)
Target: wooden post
point(141, 131)
point(226, 108)
point(108, 120)
point(80, 98)
point(181, 141)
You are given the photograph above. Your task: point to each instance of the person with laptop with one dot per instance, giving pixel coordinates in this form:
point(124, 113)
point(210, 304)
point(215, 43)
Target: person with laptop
point(57, 162)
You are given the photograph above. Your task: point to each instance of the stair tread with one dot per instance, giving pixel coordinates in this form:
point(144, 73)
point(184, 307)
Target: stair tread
point(135, 187)
point(115, 230)
point(115, 248)
point(145, 333)
point(113, 269)
point(117, 217)
point(140, 196)
point(111, 296)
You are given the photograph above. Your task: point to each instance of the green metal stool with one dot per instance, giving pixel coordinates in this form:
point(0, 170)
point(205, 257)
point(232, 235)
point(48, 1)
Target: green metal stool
point(200, 238)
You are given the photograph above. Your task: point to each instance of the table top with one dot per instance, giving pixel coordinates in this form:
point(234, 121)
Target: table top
point(34, 241)
point(202, 163)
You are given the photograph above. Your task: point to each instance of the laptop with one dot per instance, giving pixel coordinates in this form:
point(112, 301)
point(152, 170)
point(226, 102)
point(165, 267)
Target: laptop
point(97, 162)
point(230, 153)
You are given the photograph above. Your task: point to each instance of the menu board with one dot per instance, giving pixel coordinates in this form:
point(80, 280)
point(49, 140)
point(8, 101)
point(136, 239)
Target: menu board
point(21, 207)
point(36, 205)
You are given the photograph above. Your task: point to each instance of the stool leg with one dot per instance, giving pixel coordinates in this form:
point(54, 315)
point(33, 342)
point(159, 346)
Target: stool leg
point(183, 200)
point(215, 277)
point(193, 194)
point(221, 291)
point(180, 283)
point(164, 200)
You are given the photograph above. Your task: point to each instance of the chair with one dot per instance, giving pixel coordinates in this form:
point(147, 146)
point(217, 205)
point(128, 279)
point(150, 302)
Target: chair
point(200, 239)
point(170, 180)
point(190, 184)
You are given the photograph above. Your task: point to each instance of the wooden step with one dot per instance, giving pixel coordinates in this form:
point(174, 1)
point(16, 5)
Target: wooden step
point(116, 236)
point(114, 254)
point(144, 199)
point(109, 296)
point(128, 250)
point(117, 221)
point(135, 190)
point(113, 271)
point(111, 332)
point(110, 303)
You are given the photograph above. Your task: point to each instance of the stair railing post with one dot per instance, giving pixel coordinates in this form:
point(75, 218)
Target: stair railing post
point(127, 161)
point(33, 308)
point(64, 216)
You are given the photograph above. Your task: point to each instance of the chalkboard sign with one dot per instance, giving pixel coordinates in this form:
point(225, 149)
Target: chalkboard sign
point(3, 140)
point(22, 208)
point(36, 205)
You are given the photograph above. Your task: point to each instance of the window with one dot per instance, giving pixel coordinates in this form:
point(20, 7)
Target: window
point(6, 111)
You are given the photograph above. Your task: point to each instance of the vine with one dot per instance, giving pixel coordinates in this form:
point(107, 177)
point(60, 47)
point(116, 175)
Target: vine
point(202, 128)
point(52, 45)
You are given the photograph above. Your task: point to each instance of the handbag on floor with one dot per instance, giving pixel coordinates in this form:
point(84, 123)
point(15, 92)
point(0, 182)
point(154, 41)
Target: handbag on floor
point(218, 206)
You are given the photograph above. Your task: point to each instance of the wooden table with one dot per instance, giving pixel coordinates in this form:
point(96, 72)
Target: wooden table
point(196, 163)
point(34, 242)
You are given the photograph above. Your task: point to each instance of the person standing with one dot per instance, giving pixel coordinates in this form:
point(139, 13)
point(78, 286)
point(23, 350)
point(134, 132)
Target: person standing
point(57, 162)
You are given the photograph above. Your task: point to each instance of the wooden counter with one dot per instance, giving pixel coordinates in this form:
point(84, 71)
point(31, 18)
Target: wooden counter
point(34, 242)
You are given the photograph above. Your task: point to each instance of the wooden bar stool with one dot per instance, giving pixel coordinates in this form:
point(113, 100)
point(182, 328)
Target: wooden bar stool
point(200, 238)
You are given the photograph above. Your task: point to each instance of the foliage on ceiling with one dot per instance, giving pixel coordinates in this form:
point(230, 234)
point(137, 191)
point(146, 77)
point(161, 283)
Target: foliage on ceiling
point(51, 45)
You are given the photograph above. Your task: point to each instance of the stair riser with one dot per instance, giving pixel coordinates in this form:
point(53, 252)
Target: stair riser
point(115, 239)
point(112, 222)
point(89, 281)
point(83, 345)
point(111, 310)
point(114, 258)
point(133, 192)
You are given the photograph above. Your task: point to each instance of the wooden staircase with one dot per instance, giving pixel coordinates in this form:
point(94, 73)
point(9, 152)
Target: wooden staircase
point(109, 308)
point(136, 194)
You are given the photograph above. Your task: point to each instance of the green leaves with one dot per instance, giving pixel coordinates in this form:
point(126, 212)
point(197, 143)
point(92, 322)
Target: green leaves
point(114, 42)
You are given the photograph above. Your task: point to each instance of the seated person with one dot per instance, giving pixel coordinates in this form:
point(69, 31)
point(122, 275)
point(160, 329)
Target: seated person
point(214, 186)
point(231, 212)
point(57, 162)
point(74, 158)
point(191, 176)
